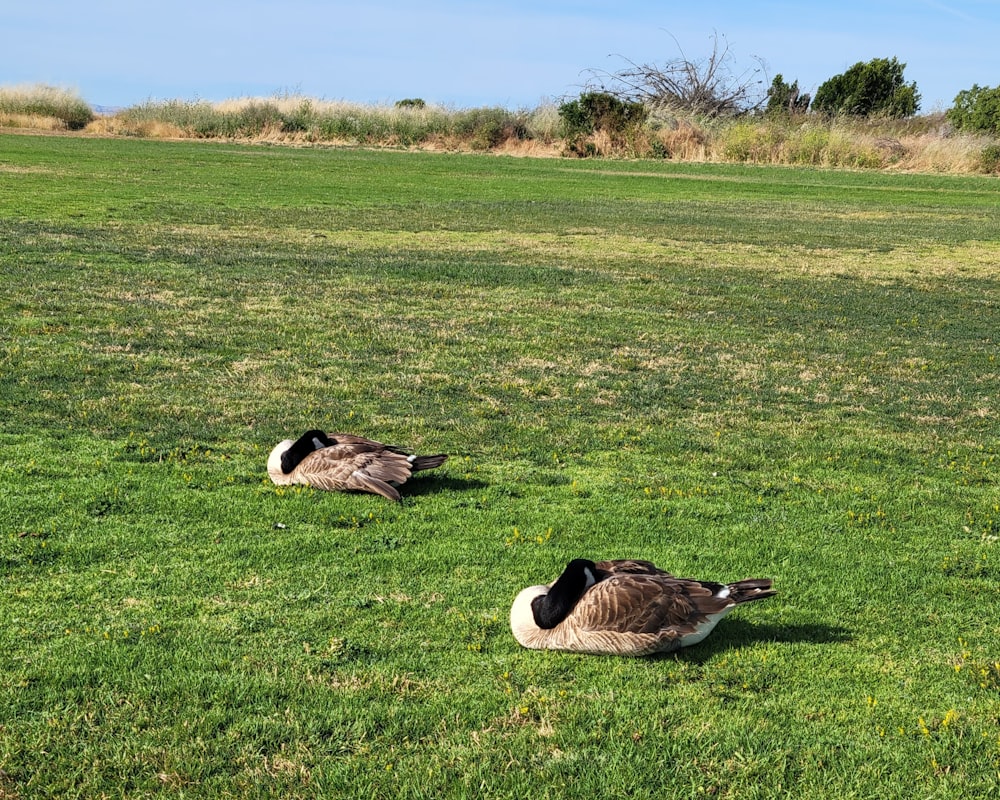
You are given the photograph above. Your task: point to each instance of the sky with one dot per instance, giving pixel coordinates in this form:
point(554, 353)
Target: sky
point(516, 54)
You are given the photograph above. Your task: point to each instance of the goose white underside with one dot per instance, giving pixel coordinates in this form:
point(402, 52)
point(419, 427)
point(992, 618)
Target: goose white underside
point(704, 628)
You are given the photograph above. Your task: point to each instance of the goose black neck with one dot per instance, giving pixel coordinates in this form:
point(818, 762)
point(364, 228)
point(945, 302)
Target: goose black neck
point(303, 446)
point(553, 607)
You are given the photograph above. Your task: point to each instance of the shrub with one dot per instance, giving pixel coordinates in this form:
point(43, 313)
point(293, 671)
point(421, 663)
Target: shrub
point(47, 101)
point(600, 112)
point(414, 102)
point(807, 145)
point(989, 159)
point(252, 120)
point(976, 109)
point(486, 128)
point(873, 88)
point(713, 86)
point(847, 147)
point(544, 123)
point(301, 118)
point(750, 141)
point(193, 118)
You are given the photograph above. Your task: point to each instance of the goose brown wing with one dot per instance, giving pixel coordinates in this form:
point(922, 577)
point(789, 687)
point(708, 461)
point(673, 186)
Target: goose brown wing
point(356, 467)
point(333, 469)
point(329, 468)
point(628, 566)
point(376, 460)
point(385, 466)
point(356, 444)
point(645, 604)
point(360, 482)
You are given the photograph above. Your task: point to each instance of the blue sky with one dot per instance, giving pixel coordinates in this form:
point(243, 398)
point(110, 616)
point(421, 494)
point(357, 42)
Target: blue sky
point(515, 54)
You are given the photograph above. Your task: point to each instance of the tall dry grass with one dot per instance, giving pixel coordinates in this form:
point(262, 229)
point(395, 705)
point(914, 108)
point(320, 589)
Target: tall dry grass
point(920, 144)
point(297, 119)
point(44, 107)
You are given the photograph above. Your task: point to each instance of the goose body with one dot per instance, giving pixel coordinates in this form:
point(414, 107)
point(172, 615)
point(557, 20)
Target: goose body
point(344, 462)
point(627, 608)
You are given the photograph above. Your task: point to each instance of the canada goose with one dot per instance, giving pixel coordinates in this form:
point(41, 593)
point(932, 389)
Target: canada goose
point(342, 462)
point(628, 608)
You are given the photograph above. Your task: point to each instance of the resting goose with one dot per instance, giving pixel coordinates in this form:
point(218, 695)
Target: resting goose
point(342, 462)
point(628, 608)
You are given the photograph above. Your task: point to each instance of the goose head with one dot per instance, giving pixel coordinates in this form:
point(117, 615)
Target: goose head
point(288, 454)
point(540, 608)
point(274, 470)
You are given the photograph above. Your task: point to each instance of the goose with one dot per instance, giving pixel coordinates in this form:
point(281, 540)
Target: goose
point(625, 607)
point(344, 462)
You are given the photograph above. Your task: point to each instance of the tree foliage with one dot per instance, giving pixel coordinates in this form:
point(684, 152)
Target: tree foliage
point(785, 98)
point(976, 109)
point(872, 88)
point(712, 86)
point(600, 111)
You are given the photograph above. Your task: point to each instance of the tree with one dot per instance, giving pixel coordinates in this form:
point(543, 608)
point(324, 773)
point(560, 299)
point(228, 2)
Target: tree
point(712, 86)
point(976, 109)
point(783, 98)
point(873, 88)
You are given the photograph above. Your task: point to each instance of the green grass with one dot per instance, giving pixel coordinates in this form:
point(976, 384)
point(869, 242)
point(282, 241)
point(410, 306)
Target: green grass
point(731, 371)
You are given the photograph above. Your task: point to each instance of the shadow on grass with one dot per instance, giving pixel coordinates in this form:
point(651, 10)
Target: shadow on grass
point(733, 633)
point(432, 484)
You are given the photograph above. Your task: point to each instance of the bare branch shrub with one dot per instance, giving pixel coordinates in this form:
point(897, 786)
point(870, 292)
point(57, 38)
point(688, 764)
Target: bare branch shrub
point(713, 86)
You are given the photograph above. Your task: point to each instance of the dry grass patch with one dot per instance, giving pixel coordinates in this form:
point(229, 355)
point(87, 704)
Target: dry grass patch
point(931, 152)
point(33, 122)
point(146, 129)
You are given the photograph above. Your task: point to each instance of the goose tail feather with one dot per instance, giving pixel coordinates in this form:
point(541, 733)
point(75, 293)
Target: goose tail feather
point(427, 462)
point(751, 589)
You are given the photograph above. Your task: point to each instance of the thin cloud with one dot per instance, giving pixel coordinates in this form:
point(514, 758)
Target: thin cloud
point(947, 9)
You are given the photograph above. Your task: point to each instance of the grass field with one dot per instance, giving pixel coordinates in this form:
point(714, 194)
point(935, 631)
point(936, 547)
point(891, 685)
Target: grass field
point(731, 371)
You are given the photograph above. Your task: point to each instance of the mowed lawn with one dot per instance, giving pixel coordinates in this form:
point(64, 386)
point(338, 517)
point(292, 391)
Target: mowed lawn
point(731, 371)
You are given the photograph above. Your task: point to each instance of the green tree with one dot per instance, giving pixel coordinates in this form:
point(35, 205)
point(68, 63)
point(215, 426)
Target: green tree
point(784, 98)
point(976, 109)
point(872, 88)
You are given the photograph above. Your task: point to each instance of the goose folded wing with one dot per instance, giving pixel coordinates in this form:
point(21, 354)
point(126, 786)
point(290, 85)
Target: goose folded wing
point(349, 443)
point(629, 566)
point(385, 466)
point(360, 482)
point(645, 604)
point(329, 469)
